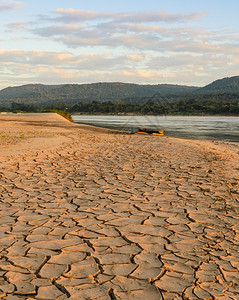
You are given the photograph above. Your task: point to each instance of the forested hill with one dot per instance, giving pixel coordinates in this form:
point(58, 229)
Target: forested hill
point(225, 85)
point(226, 89)
point(73, 93)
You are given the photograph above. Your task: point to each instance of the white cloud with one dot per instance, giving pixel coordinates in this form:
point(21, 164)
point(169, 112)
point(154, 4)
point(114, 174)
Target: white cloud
point(9, 5)
point(71, 15)
point(65, 67)
point(126, 31)
point(15, 26)
point(150, 47)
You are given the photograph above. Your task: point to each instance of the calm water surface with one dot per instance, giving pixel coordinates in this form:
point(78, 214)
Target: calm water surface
point(213, 128)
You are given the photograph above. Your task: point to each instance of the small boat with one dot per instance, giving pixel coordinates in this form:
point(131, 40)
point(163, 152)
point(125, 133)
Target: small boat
point(150, 131)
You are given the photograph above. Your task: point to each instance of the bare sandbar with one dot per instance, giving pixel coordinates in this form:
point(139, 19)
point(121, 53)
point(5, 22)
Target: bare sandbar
point(88, 213)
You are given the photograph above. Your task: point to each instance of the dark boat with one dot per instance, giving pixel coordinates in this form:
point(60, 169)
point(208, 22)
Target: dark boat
point(150, 131)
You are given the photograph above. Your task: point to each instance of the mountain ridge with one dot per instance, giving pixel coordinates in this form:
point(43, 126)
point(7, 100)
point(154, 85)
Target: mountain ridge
point(73, 93)
point(40, 94)
point(227, 84)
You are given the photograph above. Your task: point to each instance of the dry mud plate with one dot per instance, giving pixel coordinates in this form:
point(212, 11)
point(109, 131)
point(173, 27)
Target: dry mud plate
point(89, 214)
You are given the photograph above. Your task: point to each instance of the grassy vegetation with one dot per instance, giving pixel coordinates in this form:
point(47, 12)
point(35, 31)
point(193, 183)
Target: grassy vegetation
point(14, 137)
point(63, 113)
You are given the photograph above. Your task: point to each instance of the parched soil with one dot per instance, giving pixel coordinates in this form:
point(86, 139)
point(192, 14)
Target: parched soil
point(86, 213)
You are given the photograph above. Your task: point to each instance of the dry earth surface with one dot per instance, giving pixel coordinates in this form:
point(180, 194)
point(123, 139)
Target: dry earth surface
point(90, 214)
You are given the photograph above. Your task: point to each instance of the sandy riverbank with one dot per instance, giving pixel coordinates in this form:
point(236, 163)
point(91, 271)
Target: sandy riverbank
point(89, 214)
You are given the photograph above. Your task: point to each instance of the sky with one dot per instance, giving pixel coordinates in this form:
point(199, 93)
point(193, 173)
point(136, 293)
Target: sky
point(144, 41)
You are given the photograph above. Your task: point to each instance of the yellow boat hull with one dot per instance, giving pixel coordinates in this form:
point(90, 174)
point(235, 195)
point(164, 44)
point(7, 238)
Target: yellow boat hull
point(160, 132)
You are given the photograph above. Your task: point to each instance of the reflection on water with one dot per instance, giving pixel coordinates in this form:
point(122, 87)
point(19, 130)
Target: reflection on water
point(214, 128)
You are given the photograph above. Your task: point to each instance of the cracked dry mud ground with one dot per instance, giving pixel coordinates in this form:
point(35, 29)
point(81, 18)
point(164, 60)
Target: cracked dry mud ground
point(106, 216)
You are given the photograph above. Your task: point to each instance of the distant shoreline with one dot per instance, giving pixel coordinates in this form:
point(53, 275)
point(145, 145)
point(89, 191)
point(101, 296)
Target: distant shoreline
point(148, 115)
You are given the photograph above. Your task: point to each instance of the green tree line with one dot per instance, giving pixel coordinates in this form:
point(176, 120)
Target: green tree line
point(186, 107)
point(189, 107)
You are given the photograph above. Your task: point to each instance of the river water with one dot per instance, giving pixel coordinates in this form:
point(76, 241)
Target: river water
point(213, 128)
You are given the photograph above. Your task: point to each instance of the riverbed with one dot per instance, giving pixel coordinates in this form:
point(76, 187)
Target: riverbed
point(201, 127)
